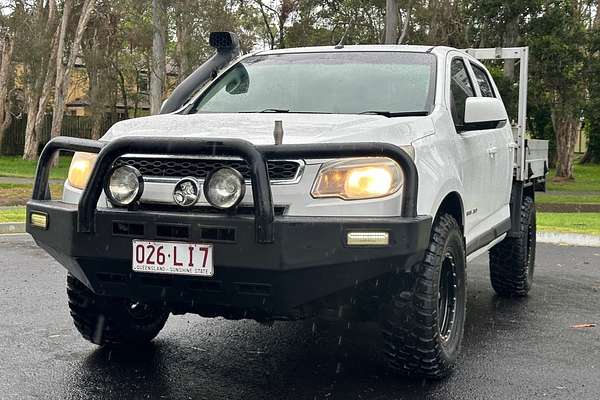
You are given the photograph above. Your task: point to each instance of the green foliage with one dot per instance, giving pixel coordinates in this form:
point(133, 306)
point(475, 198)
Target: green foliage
point(592, 116)
point(509, 91)
point(557, 42)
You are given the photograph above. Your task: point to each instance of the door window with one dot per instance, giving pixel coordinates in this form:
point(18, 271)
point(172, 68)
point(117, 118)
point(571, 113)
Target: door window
point(461, 87)
point(483, 81)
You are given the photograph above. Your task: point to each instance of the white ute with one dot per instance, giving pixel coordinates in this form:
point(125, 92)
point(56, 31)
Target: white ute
point(347, 182)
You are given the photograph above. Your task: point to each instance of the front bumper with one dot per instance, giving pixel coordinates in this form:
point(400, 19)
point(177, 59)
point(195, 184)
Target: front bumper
point(308, 260)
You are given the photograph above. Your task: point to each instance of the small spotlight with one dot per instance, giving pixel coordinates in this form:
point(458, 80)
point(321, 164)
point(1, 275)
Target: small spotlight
point(124, 185)
point(224, 188)
point(39, 220)
point(368, 239)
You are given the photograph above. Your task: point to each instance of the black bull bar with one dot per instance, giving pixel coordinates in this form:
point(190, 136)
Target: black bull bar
point(255, 155)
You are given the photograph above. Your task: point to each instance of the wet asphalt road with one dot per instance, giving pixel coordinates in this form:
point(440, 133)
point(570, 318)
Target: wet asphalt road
point(513, 349)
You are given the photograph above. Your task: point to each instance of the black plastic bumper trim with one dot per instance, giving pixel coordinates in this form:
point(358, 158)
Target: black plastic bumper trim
point(307, 261)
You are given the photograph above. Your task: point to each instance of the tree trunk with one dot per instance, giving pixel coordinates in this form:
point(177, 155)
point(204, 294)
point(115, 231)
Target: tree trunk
point(123, 89)
point(510, 38)
point(63, 72)
point(32, 140)
point(158, 73)
point(391, 22)
point(433, 23)
point(97, 100)
point(405, 23)
point(183, 40)
point(37, 91)
point(5, 75)
point(37, 109)
point(566, 128)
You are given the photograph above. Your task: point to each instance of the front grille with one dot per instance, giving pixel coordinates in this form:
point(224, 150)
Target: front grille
point(279, 170)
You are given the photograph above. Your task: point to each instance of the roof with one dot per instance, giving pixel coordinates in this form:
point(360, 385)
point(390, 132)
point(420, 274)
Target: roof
point(351, 48)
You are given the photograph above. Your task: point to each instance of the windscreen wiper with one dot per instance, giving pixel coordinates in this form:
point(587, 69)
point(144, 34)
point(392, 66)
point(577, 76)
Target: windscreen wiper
point(269, 110)
point(391, 114)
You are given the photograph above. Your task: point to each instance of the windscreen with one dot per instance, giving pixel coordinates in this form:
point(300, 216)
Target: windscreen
point(325, 82)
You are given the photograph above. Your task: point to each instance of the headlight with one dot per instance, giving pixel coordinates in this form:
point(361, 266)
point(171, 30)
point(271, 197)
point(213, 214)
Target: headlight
point(224, 188)
point(124, 185)
point(359, 178)
point(81, 168)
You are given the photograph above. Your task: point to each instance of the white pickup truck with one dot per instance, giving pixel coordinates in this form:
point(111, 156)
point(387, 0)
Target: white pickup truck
point(354, 182)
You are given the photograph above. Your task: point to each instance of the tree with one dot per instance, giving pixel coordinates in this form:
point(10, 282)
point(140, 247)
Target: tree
point(280, 16)
point(101, 46)
point(63, 71)
point(592, 117)
point(557, 40)
point(36, 39)
point(6, 73)
point(158, 71)
point(392, 21)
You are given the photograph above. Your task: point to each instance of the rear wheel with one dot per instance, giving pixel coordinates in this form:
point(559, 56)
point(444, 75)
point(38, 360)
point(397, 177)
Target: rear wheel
point(424, 323)
point(512, 261)
point(112, 321)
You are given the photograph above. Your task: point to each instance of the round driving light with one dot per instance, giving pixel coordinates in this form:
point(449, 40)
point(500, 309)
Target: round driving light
point(224, 188)
point(124, 185)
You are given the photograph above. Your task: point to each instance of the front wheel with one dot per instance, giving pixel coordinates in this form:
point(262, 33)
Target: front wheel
point(112, 321)
point(423, 325)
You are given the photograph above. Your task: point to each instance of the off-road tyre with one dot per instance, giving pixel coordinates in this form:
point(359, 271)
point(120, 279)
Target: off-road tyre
point(512, 261)
point(416, 343)
point(112, 321)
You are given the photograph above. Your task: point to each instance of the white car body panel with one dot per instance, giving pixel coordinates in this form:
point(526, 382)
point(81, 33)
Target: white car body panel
point(447, 161)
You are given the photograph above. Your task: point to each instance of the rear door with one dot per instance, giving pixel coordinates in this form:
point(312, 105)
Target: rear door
point(499, 151)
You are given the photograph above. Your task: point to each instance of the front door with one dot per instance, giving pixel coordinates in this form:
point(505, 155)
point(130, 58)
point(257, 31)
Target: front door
point(473, 148)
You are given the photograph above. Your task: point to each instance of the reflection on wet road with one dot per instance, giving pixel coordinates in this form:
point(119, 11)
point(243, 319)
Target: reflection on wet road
point(512, 349)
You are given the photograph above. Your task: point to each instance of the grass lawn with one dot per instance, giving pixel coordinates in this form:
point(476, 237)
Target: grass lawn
point(587, 179)
point(588, 223)
point(15, 166)
point(17, 195)
point(566, 198)
point(13, 214)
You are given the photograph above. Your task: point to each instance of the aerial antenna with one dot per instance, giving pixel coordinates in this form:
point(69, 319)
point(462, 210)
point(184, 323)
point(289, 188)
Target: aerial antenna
point(340, 44)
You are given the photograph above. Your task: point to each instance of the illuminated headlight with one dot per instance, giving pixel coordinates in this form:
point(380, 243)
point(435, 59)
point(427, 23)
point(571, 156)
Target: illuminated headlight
point(358, 178)
point(124, 186)
point(224, 188)
point(81, 168)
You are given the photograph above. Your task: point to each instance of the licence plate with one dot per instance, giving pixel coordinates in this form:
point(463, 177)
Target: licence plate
point(173, 258)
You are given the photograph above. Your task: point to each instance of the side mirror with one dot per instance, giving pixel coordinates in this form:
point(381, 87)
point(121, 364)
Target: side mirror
point(484, 113)
point(240, 81)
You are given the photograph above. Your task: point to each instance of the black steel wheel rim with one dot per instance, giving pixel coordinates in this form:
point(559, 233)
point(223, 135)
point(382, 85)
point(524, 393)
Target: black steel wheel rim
point(140, 311)
point(447, 297)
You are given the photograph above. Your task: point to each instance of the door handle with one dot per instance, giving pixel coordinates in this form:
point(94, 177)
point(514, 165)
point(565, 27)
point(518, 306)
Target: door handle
point(492, 151)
